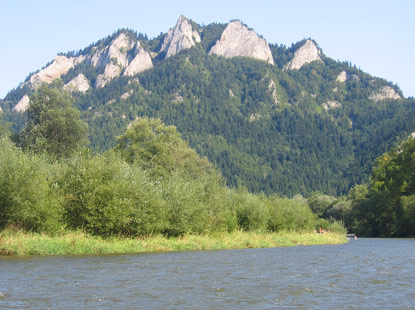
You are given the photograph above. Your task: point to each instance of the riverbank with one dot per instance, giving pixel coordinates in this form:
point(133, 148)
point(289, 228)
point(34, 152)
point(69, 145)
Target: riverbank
point(22, 243)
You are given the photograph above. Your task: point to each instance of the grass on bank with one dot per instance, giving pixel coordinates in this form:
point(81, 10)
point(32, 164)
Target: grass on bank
point(23, 243)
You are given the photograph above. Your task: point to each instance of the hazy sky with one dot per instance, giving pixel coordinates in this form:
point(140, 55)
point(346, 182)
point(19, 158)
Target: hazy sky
point(377, 36)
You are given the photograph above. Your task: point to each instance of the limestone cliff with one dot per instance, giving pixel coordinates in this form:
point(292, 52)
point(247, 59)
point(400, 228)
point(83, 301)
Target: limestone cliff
point(141, 61)
point(60, 66)
point(122, 53)
point(342, 77)
point(385, 92)
point(114, 57)
point(117, 50)
point(79, 83)
point(22, 105)
point(237, 40)
point(111, 71)
point(307, 53)
point(181, 37)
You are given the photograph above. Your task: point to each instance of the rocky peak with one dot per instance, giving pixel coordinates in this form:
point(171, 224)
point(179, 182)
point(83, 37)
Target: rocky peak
point(385, 92)
point(115, 52)
point(114, 57)
point(181, 37)
point(237, 40)
point(79, 83)
point(307, 53)
point(60, 66)
point(140, 62)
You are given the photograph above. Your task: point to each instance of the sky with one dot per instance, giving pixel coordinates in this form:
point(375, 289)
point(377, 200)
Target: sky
point(377, 36)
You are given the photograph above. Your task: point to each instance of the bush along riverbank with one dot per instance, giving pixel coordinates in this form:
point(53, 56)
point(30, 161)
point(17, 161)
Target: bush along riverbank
point(14, 242)
point(150, 188)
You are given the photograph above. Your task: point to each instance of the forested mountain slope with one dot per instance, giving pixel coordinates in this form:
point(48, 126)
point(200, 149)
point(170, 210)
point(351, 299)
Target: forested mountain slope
point(272, 118)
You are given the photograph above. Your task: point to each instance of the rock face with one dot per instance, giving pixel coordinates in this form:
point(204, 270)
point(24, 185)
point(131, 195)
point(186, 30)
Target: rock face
point(111, 71)
point(127, 94)
point(342, 77)
point(305, 54)
point(141, 61)
point(114, 57)
point(117, 50)
point(79, 83)
point(122, 53)
point(22, 105)
point(385, 92)
point(273, 90)
point(237, 40)
point(329, 105)
point(179, 38)
point(59, 66)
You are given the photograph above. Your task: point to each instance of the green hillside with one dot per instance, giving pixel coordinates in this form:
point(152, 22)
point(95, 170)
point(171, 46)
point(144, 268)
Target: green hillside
point(266, 128)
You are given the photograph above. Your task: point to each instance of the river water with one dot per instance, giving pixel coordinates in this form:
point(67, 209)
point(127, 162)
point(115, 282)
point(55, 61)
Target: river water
point(363, 274)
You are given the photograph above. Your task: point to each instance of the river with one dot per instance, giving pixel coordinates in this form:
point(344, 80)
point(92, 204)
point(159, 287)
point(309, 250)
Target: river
point(363, 274)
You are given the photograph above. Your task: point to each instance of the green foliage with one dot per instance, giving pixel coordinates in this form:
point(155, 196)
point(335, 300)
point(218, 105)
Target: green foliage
point(290, 215)
point(28, 198)
point(272, 139)
point(106, 196)
point(153, 145)
point(320, 204)
point(387, 208)
point(53, 126)
point(251, 210)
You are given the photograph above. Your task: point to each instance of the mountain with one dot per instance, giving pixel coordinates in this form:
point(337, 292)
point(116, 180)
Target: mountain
point(272, 118)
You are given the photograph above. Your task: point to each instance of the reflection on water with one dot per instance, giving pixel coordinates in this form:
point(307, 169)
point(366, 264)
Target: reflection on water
point(363, 274)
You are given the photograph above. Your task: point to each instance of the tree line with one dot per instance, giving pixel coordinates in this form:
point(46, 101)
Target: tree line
point(150, 182)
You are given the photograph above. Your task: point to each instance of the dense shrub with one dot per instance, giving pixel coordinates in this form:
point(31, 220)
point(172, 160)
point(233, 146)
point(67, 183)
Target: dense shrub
point(27, 196)
point(290, 215)
point(251, 210)
point(106, 196)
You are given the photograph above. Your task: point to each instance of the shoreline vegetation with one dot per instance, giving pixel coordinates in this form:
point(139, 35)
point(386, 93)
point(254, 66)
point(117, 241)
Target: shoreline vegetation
point(151, 192)
point(19, 243)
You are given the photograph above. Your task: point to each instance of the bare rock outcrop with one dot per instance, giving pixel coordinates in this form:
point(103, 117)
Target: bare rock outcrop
point(273, 90)
point(60, 66)
point(79, 83)
point(181, 37)
point(22, 105)
point(111, 71)
point(237, 40)
point(127, 94)
point(385, 92)
point(115, 52)
point(114, 57)
point(254, 117)
point(342, 77)
point(329, 105)
point(122, 53)
point(307, 53)
point(141, 61)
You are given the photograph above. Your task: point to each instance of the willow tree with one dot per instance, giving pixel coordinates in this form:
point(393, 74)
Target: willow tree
point(160, 148)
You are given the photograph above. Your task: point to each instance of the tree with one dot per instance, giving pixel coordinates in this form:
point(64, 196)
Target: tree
point(153, 145)
point(53, 125)
point(389, 207)
point(319, 203)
